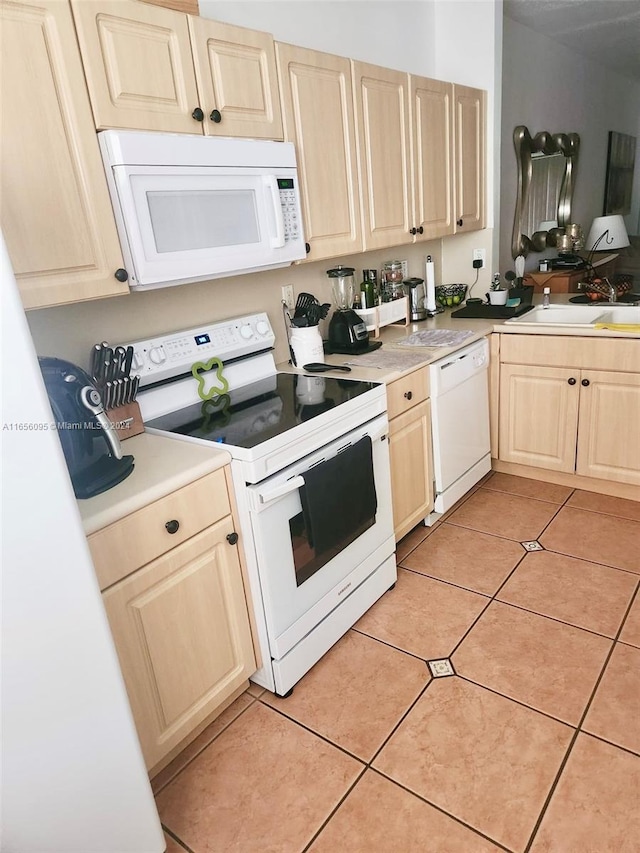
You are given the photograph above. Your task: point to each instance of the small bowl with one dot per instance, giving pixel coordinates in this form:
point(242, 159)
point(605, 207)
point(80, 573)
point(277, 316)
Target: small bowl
point(450, 295)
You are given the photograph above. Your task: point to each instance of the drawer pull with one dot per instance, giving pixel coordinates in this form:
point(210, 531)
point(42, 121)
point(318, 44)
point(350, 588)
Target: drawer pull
point(585, 383)
point(571, 381)
point(172, 526)
point(232, 538)
point(408, 395)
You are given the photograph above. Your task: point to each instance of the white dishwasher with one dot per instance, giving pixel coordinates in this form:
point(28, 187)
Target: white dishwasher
point(459, 424)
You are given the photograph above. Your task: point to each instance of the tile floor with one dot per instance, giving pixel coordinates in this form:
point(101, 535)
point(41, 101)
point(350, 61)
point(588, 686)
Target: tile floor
point(532, 745)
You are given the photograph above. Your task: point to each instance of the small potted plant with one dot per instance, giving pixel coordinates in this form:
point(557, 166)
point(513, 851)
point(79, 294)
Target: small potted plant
point(498, 295)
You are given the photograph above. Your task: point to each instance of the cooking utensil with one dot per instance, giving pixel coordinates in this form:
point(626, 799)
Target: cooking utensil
point(318, 367)
point(303, 302)
point(287, 326)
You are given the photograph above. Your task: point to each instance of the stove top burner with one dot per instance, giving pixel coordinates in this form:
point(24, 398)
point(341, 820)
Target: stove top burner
point(256, 413)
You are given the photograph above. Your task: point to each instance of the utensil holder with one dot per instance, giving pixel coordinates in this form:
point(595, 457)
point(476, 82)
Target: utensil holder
point(306, 344)
point(126, 420)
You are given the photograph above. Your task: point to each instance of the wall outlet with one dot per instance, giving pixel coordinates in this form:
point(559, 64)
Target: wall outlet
point(480, 255)
point(288, 297)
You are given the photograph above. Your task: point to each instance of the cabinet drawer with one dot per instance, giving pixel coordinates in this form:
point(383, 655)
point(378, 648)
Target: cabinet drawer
point(133, 541)
point(407, 392)
point(590, 353)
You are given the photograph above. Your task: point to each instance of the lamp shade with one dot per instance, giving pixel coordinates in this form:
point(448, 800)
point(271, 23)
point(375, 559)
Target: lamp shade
point(607, 232)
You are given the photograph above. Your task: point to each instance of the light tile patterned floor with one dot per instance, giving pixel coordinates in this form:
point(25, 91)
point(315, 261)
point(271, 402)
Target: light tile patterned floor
point(532, 745)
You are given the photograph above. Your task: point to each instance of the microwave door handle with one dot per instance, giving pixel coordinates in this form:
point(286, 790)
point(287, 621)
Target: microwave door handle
point(271, 182)
point(280, 491)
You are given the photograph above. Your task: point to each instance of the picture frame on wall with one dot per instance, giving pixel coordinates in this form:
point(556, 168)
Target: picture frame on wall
point(621, 155)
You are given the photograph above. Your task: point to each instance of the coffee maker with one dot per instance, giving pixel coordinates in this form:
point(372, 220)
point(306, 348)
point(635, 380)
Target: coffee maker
point(90, 443)
point(347, 331)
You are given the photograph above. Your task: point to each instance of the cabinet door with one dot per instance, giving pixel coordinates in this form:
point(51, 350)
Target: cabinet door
point(383, 133)
point(609, 419)
point(539, 416)
point(432, 157)
point(138, 65)
point(317, 106)
point(56, 215)
point(411, 471)
point(470, 143)
point(236, 75)
point(181, 630)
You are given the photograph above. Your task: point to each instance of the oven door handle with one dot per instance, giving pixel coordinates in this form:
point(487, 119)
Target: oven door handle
point(280, 491)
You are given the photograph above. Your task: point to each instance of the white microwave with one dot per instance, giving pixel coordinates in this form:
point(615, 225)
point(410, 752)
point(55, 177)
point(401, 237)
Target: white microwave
point(193, 208)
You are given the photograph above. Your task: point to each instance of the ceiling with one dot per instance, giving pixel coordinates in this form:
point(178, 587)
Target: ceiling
point(604, 30)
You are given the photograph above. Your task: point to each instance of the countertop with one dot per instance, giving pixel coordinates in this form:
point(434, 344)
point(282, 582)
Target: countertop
point(162, 465)
point(393, 335)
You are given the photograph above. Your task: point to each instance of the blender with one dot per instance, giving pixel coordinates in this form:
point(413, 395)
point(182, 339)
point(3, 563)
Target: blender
point(347, 331)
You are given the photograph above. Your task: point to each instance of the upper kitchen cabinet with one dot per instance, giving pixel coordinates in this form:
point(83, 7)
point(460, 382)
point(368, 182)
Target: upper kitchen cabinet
point(317, 104)
point(383, 125)
point(55, 209)
point(237, 80)
point(142, 63)
point(432, 157)
point(470, 144)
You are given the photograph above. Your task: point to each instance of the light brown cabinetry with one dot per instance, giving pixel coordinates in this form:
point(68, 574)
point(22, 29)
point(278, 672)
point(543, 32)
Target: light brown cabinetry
point(55, 210)
point(470, 156)
point(317, 113)
point(409, 411)
point(151, 68)
point(180, 621)
point(421, 146)
point(571, 405)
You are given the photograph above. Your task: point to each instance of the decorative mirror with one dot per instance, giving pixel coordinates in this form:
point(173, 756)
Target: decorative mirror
point(546, 173)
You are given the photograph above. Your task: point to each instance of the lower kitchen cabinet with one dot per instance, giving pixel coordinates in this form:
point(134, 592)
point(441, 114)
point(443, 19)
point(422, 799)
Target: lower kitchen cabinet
point(560, 412)
point(410, 450)
point(180, 624)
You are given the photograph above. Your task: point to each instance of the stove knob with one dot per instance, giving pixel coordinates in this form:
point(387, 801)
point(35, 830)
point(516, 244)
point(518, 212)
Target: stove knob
point(137, 362)
point(262, 328)
point(157, 355)
point(246, 332)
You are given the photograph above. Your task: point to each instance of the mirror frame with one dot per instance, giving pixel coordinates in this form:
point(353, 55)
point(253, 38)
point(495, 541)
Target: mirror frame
point(567, 144)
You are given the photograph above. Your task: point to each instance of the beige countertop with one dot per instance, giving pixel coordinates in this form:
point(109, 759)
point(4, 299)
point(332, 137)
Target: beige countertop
point(392, 337)
point(162, 465)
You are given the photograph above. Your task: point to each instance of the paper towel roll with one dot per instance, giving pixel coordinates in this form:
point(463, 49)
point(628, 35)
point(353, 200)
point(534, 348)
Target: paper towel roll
point(430, 302)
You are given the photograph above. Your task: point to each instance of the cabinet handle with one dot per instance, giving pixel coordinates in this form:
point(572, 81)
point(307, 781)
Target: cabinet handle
point(232, 538)
point(585, 382)
point(197, 114)
point(121, 275)
point(460, 223)
point(420, 230)
point(172, 526)
point(215, 115)
point(571, 381)
point(413, 231)
point(408, 395)
point(307, 247)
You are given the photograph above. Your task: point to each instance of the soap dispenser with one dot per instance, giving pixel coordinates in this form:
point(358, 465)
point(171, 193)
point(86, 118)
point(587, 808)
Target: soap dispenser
point(545, 297)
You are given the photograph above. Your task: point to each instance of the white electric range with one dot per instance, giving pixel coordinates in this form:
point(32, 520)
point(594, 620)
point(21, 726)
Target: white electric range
point(310, 466)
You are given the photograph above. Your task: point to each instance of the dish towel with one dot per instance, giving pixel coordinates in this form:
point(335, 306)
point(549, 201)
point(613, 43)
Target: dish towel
point(339, 499)
point(618, 327)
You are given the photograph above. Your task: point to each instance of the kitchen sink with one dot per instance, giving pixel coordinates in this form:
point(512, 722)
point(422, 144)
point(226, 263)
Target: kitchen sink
point(579, 315)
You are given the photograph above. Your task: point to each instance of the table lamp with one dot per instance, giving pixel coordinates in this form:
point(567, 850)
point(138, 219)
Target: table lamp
point(607, 232)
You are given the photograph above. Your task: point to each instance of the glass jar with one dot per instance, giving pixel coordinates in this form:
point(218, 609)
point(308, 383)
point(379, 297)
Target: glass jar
point(391, 281)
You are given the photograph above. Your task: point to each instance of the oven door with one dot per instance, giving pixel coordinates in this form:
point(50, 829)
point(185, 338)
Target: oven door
point(304, 571)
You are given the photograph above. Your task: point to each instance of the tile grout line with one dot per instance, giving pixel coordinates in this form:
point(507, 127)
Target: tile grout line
point(579, 730)
point(176, 838)
point(428, 802)
point(334, 810)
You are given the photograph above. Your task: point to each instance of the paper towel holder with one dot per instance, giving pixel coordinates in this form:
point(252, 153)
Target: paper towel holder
point(431, 306)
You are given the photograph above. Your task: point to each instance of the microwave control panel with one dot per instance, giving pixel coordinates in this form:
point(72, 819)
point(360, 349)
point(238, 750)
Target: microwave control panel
point(290, 212)
point(166, 356)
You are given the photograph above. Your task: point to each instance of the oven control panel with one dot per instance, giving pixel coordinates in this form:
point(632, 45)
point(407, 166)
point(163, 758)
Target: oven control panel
point(174, 353)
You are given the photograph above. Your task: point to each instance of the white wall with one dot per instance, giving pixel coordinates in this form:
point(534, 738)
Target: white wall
point(73, 777)
point(549, 87)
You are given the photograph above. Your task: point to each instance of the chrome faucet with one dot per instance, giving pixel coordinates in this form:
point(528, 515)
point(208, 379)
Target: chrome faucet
point(613, 291)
